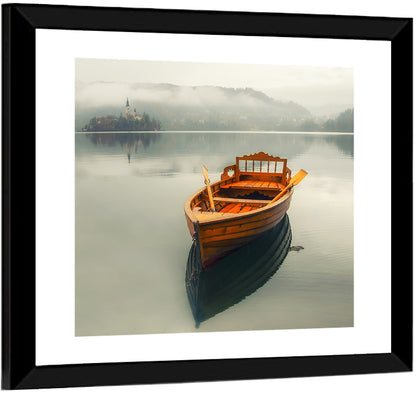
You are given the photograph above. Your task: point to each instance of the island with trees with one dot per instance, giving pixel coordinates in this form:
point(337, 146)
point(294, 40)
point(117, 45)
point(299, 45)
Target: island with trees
point(130, 121)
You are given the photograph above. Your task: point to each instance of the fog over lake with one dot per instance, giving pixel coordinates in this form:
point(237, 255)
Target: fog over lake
point(306, 85)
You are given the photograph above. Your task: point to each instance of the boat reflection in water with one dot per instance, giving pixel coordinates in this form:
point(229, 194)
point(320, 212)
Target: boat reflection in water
point(236, 276)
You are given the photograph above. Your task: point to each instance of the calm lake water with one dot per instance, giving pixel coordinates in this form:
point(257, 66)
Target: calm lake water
point(132, 242)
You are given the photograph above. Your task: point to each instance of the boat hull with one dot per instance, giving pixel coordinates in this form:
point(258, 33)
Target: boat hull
point(218, 236)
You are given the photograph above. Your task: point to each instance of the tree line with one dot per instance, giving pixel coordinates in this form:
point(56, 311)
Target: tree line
point(112, 123)
point(344, 122)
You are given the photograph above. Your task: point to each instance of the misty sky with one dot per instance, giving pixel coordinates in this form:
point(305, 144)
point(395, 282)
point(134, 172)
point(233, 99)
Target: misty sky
point(309, 86)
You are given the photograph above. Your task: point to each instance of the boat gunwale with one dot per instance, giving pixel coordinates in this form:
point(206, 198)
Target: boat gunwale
point(225, 217)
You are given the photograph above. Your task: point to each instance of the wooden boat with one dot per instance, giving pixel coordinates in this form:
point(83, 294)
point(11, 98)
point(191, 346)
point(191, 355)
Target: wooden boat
point(252, 197)
point(236, 276)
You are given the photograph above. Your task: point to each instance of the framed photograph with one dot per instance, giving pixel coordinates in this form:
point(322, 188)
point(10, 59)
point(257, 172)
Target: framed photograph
point(204, 196)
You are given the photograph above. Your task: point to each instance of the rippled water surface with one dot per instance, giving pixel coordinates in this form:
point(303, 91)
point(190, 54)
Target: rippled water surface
point(132, 242)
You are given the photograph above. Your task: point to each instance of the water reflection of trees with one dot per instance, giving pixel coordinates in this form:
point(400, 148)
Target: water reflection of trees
point(219, 146)
point(285, 145)
point(344, 143)
point(129, 142)
point(236, 276)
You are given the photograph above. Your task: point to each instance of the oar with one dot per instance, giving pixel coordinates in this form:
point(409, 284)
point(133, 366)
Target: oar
point(293, 181)
point(211, 201)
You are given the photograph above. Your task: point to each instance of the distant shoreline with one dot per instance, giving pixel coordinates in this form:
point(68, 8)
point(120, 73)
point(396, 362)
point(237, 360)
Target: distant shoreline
point(246, 132)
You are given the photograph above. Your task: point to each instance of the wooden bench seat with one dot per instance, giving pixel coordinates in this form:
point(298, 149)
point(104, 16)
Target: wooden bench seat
point(254, 184)
point(242, 201)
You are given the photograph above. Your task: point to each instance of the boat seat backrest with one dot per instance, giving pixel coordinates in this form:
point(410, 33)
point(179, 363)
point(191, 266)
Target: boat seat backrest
point(261, 164)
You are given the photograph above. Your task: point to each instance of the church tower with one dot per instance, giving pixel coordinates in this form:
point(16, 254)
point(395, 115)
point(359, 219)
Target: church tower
point(127, 108)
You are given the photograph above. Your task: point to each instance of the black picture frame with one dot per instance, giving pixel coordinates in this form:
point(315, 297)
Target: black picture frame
point(19, 370)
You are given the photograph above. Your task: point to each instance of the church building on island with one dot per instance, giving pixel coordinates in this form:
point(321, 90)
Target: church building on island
point(129, 115)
